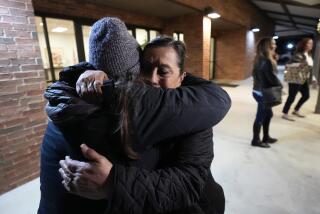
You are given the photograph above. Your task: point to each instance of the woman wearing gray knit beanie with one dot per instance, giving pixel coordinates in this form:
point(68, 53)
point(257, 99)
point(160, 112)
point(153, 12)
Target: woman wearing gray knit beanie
point(149, 161)
point(112, 49)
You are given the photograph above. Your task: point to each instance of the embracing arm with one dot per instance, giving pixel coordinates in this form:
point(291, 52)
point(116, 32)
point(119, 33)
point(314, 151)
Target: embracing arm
point(170, 188)
point(164, 113)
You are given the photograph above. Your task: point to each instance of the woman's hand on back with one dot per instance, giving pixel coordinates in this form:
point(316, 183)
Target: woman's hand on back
point(87, 179)
point(89, 84)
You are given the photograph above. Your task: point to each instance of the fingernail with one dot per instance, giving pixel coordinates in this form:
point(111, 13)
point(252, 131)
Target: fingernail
point(83, 146)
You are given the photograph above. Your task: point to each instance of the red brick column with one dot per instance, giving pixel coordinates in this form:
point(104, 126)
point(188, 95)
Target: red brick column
point(22, 118)
point(230, 54)
point(197, 32)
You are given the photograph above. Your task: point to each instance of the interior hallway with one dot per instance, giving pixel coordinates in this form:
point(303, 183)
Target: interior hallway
point(284, 179)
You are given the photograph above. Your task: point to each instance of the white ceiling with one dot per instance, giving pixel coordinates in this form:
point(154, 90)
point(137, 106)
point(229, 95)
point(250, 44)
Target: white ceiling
point(304, 11)
point(278, 16)
point(282, 28)
point(270, 6)
point(291, 17)
point(308, 2)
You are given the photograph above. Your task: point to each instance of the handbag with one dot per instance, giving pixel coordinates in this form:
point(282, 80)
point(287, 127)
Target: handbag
point(272, 96)
point(296, 73)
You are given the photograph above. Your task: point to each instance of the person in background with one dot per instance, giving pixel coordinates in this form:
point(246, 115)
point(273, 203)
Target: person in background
point(264, 76)
point(303, 55)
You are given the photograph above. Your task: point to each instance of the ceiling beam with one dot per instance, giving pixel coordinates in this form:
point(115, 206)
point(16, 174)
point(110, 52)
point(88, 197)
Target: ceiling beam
point(262, 11)
point(285, 30)
point(293, 3)
point(284, 7)
point(310, 25)
point(285, 25)
point(298, 23)
point(293, 16)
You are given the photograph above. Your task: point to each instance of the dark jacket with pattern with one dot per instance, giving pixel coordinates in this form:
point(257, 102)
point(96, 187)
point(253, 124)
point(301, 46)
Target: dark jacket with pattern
point(152, 184)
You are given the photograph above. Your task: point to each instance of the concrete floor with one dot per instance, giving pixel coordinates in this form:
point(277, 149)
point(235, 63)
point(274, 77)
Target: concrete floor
point(284, 179)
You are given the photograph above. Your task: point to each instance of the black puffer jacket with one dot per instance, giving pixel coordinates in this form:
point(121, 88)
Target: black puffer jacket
point(182, 182)
point(164, 114)
point(263, 75)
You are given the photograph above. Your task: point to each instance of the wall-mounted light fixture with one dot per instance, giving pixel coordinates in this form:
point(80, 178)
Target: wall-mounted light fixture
point(255, 29)
point(208, 11)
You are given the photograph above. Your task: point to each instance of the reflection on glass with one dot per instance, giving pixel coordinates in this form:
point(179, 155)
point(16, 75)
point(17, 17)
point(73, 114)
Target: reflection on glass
point(178, 36)
point(86, 33)
point(62, 43)
point(181, 37)
point(43, 47)
point(175, 36)
point(153, 34)
point(141, 36)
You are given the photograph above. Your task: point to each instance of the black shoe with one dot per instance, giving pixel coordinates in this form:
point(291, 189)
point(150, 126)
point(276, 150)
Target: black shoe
point(259, 144)
point(269, 140)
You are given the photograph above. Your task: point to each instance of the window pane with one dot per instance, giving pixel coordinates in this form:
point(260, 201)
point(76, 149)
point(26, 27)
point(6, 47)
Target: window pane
point(153, 34)
point(141, 36)
point(175, 36)
point(130, 31)
point(62, 43)
point(181, 37)
point(43, 47)
point(86, 33)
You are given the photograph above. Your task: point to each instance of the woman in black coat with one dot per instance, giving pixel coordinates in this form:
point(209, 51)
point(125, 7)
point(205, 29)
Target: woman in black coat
point(264, 76)
point(94, 130)
point(304, 57)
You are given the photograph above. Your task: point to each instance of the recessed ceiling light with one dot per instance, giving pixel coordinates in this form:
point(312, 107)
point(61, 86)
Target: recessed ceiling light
point(255, 29)
point(208, 11)
point(214, 15)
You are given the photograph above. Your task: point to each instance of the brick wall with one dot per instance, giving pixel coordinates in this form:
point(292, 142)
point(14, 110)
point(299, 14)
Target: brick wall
point(241, 12)
point(235, 51)
point(235, 48)
point(22, 118)
point(193, 39)
point(230, 48)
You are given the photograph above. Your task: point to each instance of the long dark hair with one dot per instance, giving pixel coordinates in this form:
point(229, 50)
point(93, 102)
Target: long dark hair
point(263, 51)
point(301, 46)
point(126, 103)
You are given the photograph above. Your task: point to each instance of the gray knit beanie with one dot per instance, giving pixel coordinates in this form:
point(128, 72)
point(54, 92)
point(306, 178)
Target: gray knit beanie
point(112, 49)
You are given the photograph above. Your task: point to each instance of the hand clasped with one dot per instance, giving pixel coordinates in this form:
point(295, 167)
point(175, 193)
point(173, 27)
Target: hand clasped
point(86, 179)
